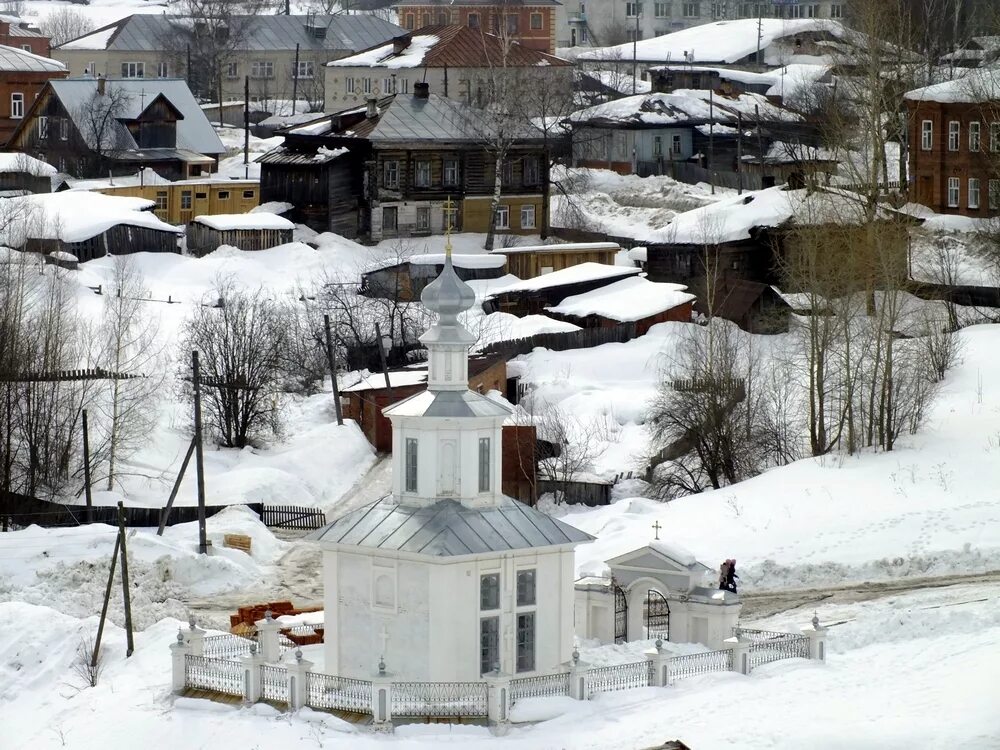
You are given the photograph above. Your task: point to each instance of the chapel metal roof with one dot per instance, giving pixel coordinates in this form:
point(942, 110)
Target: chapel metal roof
point(447, 528)
point(448, 404)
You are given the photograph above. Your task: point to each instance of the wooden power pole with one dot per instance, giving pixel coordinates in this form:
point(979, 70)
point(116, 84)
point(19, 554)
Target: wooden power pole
point(86, 469)
point(126, 595)
point(331, 359)
point(199, 460)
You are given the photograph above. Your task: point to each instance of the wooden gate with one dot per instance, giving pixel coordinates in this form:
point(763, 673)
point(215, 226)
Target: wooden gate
point(621, 615)
point(657, 615)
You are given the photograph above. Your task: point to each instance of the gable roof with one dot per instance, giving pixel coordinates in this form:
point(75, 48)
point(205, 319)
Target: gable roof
point(576, 274)
point(656, 553)
point(13, 59)
point(682, 106)
point(194, 131)
point(633, 298)
point(975, 86)
point(447, 47)
point(447, 528)
point(148, 32)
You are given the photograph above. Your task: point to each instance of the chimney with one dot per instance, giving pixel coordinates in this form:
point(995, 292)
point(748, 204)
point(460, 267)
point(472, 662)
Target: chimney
point(400, 43)
point(100, 85)
point(421, 90)
point(372, 111)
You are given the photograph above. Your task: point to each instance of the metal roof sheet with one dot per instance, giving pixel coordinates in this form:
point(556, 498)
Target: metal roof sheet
point(447, 528)
point(14, 59)
point(430, 403)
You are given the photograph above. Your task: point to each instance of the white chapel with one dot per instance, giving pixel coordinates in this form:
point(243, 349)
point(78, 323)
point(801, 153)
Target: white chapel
point(447, 579)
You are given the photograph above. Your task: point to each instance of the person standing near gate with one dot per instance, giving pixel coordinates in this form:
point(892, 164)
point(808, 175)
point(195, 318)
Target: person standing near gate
point(731, 576)
point(724, 575)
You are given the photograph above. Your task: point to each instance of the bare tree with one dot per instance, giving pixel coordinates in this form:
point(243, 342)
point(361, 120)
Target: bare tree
point(65, 23)
point(99, 120)
point(85, 666)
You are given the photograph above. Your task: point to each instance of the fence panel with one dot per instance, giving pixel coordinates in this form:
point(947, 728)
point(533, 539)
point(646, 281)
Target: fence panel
point(227, 646)
point(273, 683)
point(292, 517)
point(217, 675)
point(619, 677)
point(539, 687)
point(436, 699)
point(695, 664)
point(339, 693)
point(764, 652)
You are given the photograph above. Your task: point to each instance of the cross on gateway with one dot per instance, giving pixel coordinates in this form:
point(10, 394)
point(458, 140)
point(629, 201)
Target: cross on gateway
point(656, 530)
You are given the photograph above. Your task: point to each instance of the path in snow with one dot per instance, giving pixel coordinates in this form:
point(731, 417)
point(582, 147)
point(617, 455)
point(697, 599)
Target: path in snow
point(374, 485)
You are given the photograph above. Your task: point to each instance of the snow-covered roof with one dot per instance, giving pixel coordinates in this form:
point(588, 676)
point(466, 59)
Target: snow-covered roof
point(562, 247)
point(461, 260)
point(627, 300)
point(623, 83)
point(577, 274)
point(976, 85)
point(719, 42)
point(11, 162)
point(682, 106)
point(412, 56)
point(397, 379)
point(19, 60)
point(75, 216)
point(223, 222)
point(729, 74)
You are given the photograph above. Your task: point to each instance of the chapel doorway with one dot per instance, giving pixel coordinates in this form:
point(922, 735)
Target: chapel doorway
point(621, 615)
point(657, 615)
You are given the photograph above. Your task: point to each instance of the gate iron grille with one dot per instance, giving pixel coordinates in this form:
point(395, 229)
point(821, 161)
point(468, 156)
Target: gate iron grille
point(619, 677)
point(217, 675)
point(341, 693)
point(657, 615)
point(273, 683)
point(538, 687)
point(436, 699)
point(695, 664)
point(621, 614)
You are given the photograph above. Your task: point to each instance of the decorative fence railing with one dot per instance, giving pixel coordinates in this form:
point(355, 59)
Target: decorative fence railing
point(312, 629)
point(543, 686)
point(755, 636)
point(217, 675)
point(338, 693)
point(227, 646)
point(273, 683)
point(620, 677)
point(442, 699)
point(764, 652)
point(695, 664)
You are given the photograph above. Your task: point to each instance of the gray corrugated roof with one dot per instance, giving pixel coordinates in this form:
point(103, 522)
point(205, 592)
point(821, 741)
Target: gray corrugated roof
point(194, 132)
point(15, 59)
point(434, 118)
point(343, 32)
point(431, 403)
point(448, 528)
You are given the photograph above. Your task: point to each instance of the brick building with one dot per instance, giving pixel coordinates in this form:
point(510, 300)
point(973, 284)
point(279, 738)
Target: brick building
point(23, 36)
point(22, 77)
point(530, 22)
point(954, 144)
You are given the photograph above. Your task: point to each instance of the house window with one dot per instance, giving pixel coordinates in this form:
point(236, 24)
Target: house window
point(995, 136)
point(26, 47)
point(675, 144)
point(201, 196)
point(661, 10)
point(422, 174)
point(657, 146)
point(512, 23)
point(974, 192)
point(525, 588)
point(837, 10)
point(954, 135)
point(692, 10)
point(411, 453)
point(423, 218)
point(409, 21)
point(427, 19)
point(535, 21)
point(528, 216)
point(404, 85)
point(994, 196)
point(43, 127)
point(161, 200)
point(63, 128)
point(974, 136)
point(366, 85)
point(232, 70)
point(634, 35)
point(162, 70)
point(450, 172)
point(249, 194)
point(443, 19)
point(262, 69)
point(185, 200)
point(489, 644)
point(17, 106)
point(503, 217)
point(350, 85)
point(133, 70)
point(473, 20)
point(953, 188)
point(584, 36)
point(927, 135)
point(633, 9)
point(390, 218)
point(696, 82)
point(484, 464)
point(530, 170)
point(305, 69)
point(526, 642)
point(507, 173)
point(223, 195)
point(390, 174)
point(389, 85)
point(718, 10)
point(489, 591)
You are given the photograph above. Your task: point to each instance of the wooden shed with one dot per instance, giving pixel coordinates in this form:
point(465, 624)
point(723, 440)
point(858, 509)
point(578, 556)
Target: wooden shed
point(21, 174)
point(535, 260)
point(406, 280)
point(631, 300)
point(534, 295)
point(253, 231)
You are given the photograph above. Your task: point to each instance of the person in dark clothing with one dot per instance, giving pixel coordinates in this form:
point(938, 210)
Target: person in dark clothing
point(731, 576)
point(724, 575)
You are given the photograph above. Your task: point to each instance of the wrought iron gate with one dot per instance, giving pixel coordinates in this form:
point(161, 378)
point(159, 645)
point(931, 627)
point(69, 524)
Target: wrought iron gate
point(657, 615)
point(621, 615)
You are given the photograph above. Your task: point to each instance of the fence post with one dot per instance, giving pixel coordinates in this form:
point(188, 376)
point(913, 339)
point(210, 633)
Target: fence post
point(660, 661)
point(579, 678)
point(178, 657)
point(382, 700)
point(498, 701)
point(195, 638)
point(267, 637)
point(741, 654)
point(298, 685)
point(251, 675)
point(817, 638)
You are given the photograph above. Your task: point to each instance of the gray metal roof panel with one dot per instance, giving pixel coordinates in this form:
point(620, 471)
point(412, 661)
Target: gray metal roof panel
point(435, 118)
point(447, 528)
point(13, 59)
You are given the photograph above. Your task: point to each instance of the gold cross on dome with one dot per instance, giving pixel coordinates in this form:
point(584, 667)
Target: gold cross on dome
point(448, 206)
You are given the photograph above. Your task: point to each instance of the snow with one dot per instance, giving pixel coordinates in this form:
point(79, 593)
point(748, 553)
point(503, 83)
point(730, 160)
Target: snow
point(626, 300)
point(384, 57)
point(224, 222)
point(621, 82)
point(681, 107)
point(461, 260)
point(674, 552)
point(976, 85)
point(562, 247)
point(397, 379)
point(97, 40)
point(580, 273)
point(272, 207)
point(26, 164)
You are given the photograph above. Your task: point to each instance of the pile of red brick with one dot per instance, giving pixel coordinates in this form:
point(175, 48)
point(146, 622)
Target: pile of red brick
point(243, 623)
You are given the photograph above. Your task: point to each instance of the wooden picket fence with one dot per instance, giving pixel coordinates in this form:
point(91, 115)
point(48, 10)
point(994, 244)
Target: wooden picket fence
point(585, 338)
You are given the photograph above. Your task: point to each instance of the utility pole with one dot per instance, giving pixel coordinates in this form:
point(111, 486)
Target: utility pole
point(760, 143)
point(637, 5)
point(711, 138)
point(107, 597)
point(165, 514)
point(246, 126)
point(760, 33)
point(295, 81)
point(331, 358)
point(125, 592)
point(381, 354)
point(739, 153)
point(86, 469)
point(199, 460)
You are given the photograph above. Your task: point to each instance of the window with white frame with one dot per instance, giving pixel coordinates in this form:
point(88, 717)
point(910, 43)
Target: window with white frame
point(973, 189)
point(133, 70)
point(995, 136)
point(954, 135)
point(409, 22)
point(185, 200)
point(423, 218)
point(837, 10)
point(528, 216)
point(63, 128)
point(484, 464)
point(349, 85)
point(691, 10)
point(526, 642)
point(530, 167)
point(390, 174)
point(634, 35)
point(489, 592)
point(91, 69)
point(661, 10)
point(718, 10)
point(450, 172)
point(162, 70)
point(232, 70)
point(389, 85)
point(503, 217)
point(390, 218)
point(633, 9)
point(953, 192)
point(304, 69)
point(43, 127)
point(162, 201)
point(26, 47)
point(512, 23)
point(927, 135)
point(262, 69)
point(410, 469)
point(489, 644)
point(16, 106)
point(975, 136)
point(526, 588)
point(675, 144)
point(366, 85)
point(994, 195)
point(422, 174)
point(473, 21)
point(535, 21)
